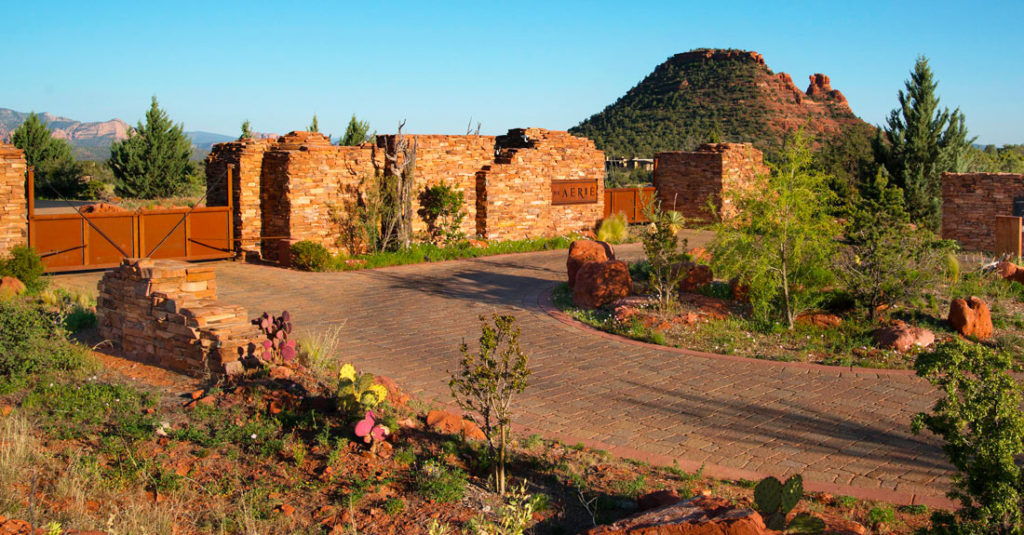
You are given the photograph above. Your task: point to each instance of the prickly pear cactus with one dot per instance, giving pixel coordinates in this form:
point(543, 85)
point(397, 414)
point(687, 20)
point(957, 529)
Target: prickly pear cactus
point(774, 500)
point(357, 391)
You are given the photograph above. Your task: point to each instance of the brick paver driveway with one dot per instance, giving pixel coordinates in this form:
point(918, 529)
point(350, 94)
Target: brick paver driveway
point(845, 431)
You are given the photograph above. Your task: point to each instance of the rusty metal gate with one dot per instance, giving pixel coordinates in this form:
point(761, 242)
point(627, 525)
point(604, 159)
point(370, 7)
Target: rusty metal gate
point(78, 241)
point(628, 201)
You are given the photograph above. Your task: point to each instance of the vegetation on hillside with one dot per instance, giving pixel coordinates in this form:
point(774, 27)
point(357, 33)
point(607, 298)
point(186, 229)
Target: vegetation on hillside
point(685, 102)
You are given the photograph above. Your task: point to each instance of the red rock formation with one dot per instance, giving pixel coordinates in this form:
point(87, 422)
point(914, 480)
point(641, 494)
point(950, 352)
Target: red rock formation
point(583, 251)
point(970, 318)
point(903, 337)
point(821, 88)
point(598, 283)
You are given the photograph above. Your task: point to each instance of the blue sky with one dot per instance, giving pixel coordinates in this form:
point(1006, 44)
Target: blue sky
point(506, 65)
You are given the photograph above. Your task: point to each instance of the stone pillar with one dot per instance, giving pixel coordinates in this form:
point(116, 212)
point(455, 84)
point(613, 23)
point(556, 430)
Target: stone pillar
point(13, 207)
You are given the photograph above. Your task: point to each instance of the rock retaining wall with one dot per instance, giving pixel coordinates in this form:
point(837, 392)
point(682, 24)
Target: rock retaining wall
point(691, 181)
point(13, 207)
point(166, 312)
point(971, 202)
point(306, 188)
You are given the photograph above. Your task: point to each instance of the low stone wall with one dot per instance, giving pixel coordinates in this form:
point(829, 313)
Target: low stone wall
point(13, 207)
point(166, 312)
point(689, 182)
point(971, 202)
point(308, 189)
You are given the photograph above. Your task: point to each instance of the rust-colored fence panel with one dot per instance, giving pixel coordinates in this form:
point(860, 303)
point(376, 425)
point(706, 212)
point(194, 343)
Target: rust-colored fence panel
point(1008, 236)
point(628, 201)
point(70, 242)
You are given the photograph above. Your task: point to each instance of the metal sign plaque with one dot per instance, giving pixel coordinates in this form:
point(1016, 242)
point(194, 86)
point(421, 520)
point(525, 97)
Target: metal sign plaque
point(573, 191)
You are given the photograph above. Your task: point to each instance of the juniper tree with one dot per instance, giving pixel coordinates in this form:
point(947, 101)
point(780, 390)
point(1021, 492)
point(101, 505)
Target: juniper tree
point(357, 132)
point(919, 143)
point(56, 172)
point(155, 160)
point(314, 126)
point(246, 132)
point(885, 260)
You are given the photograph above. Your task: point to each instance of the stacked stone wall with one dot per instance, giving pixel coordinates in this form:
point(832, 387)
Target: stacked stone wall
point(166, 312)
point(246, 156)
point(691, 182)
point(517, 202)
point(308, 189)
point(13, 207)
point(971, 202)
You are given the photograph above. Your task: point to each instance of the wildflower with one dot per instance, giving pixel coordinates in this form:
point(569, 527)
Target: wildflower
point(253, 436)
point(347, 372)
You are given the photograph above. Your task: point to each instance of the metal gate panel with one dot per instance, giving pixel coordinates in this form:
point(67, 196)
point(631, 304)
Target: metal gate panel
point(120, 236)
point(162, 234)
point(208, 233)
point(63, 247)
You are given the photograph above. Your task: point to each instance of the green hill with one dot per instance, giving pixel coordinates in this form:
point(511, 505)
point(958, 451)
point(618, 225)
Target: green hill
point(705, 95)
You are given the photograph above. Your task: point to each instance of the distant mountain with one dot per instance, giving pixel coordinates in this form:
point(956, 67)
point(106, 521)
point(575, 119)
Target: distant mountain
point(707, 93)
point(91, 141)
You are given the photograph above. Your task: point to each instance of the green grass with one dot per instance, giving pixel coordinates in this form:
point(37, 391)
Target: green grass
point(428, 252)
point(441, 483)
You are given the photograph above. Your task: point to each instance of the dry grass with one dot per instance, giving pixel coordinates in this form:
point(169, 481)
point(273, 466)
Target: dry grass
point(318, 349)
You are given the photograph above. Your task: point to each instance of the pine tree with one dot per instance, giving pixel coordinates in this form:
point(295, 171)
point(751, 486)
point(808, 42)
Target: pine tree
point(885, 260)
point(246, 132)
point(357, 132)
point(56, 172)
point(919, 143)
point(314, 127)
point(155, 159)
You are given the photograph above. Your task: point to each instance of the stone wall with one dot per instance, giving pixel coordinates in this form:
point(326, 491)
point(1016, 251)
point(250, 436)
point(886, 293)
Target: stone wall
point(689, 181)
point(166, 312)
point(516, 201)
point(247, 158)
point(971, 202)
point(308, 188)
point(13, 207)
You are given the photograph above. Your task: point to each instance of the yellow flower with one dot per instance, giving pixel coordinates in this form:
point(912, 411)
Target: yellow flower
point(379, 391)
point(347, 372)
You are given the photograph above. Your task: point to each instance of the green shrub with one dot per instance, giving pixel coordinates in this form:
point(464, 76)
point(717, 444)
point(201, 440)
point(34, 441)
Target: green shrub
point(662, 252)
point(24, 264)
point(33, 342)
point(781, 243)
point(440, 483)
point(979, 418)
point(441, 209)
point(951, 267)
point(614, 229)
point(310, 256)
point(393, 506)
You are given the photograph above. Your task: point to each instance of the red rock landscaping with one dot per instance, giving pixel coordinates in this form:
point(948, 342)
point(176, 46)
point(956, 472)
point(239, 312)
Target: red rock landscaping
point(971, 318)
point(697, 516)
point(583, 251)
point(599, 283)
point(903, 337)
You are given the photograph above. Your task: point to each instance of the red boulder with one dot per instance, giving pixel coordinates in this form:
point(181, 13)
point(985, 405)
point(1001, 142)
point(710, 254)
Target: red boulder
point(696, 516)
point(582, 251)
point(903, 337)
point(598, 283)
point(10, 286)
point(970, 318)
point(696, 275)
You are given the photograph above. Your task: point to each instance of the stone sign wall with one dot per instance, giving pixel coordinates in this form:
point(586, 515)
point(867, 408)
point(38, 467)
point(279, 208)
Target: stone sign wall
point(13, 207)
point(971, 202)
point(689, 181)
point(301, 187)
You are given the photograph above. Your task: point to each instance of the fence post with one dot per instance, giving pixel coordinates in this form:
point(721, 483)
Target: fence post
point(31, 192)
